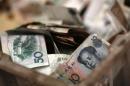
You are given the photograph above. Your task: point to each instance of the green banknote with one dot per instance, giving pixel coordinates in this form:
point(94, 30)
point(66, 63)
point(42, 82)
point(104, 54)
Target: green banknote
point(27, 50)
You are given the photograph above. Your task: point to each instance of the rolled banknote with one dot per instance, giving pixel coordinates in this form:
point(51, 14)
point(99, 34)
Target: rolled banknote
point(83, 60)
point(54, 60)
point(27, 50)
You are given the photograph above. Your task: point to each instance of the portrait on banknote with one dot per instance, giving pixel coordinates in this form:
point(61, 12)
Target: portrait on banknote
point(91, 55)
point(88, 57)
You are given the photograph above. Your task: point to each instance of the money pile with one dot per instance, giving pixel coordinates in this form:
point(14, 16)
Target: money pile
point(78, 50)
point(30, 51)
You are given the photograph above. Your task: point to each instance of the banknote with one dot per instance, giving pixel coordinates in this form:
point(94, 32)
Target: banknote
point(111, 26)
point(83, 60)
point(54, 60)
point(101, 20)
point(27, 50)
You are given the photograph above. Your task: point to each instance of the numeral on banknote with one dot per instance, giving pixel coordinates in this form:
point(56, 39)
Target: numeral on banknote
point(75, 78)
point(27, 50)
point(38, 57)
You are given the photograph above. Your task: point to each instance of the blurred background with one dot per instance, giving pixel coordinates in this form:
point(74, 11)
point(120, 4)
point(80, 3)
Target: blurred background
point(71, 11)
point(65, 24)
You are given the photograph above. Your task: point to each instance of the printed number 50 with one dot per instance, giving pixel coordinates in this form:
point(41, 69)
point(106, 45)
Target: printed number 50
point(38, 57)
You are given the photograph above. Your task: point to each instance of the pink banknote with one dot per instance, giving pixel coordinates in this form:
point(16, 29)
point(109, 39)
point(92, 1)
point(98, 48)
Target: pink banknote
point(83, 60)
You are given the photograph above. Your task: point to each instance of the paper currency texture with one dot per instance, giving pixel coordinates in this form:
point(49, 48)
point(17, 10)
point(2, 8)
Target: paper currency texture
point(83, 61)
point(27, 50)
point(55, 60)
